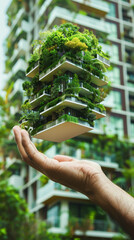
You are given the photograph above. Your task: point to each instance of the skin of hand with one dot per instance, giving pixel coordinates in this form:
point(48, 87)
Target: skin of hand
point(82, 176)
point(86, 177)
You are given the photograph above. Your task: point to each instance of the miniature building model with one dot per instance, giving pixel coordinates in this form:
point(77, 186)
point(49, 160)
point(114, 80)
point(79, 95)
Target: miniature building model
point(65, 88)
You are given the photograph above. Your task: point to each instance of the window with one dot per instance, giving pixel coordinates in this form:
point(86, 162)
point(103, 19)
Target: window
point(79, 210)
point(112, 10)
point(116, 96)
point(116, 126)
point(130, 79)
point(53, 214)
point(132, 129)
point(114, 75)
point(113, 30)
point(113, 51)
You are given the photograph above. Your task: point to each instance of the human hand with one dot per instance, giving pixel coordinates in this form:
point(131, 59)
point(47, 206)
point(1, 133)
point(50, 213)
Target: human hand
point(83, 176)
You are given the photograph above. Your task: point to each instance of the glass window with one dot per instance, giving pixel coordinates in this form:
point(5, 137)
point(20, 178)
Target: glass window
point(132, 129)
point(113, 30)
point(53, 214)
point(116, 96)
point(115, 52)
point(79, 211)
point(114, 75)
point(130, 79)
point(112, 10)
point(116, 126)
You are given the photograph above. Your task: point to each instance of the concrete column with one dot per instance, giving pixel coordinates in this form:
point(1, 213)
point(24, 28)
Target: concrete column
point(64, 214)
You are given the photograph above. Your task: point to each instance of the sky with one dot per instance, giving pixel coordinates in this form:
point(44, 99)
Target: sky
point(3, 33)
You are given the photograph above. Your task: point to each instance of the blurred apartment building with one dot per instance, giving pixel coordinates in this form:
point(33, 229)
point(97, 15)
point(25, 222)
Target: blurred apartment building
point(113, 24)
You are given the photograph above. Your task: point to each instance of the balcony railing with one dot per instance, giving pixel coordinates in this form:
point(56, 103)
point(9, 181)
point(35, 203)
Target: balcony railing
point(89, 22)
point(53, 189)
point(86, 225)
point(99, 5)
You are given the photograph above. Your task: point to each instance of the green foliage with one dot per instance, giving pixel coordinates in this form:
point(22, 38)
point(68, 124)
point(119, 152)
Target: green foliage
point(26, 105)
point(76, 45)
point(33, 60)
point(68, 29)
point(66, 4)
point(9, 147)
point(32, 117)
point(53, 102)
point(69, 118)
point(54, 47)
point(27, 87)
point(54, 40)
point(44, 180)
point(15, 220)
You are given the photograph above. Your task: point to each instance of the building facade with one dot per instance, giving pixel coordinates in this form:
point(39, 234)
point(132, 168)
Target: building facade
point(113, 24)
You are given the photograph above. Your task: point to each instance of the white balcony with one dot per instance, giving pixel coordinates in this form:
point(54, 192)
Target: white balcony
point(16, 181)
point(10, 162)
point(54, 190)
point(89, 22)
point(24, 26)
point(97, 6)
point(44, 7)
point(71, 102)
point(17, 87)
point(17, 18)
point(61, 130)
point(36, 101)
point(21, 49)
point(48, 76)
point(19, 66)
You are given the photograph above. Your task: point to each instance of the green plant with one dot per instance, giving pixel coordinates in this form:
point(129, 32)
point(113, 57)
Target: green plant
point(33, 60)
point(44, 180)
point(65, 43)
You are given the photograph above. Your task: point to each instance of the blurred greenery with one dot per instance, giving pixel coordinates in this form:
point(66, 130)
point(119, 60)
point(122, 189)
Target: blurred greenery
point(16, 222)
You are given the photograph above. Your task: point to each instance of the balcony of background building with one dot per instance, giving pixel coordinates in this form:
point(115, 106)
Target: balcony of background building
point(23, 26)
point(52, 191)
point(127, 35)
point(85, 228)
point(16, 181)
point(18, 18)
point(110, 125)
point(20, 50)
point(59, 15)
point(132, 129)
point(19, 66)
point(98, 7)
point(129, 56)
point(131, 103)
point(125, 15)
point(43, 8)
point(10, 162)
point(130, 78)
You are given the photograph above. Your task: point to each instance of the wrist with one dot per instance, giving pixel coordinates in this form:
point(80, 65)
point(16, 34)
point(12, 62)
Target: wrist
point(101, 189)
